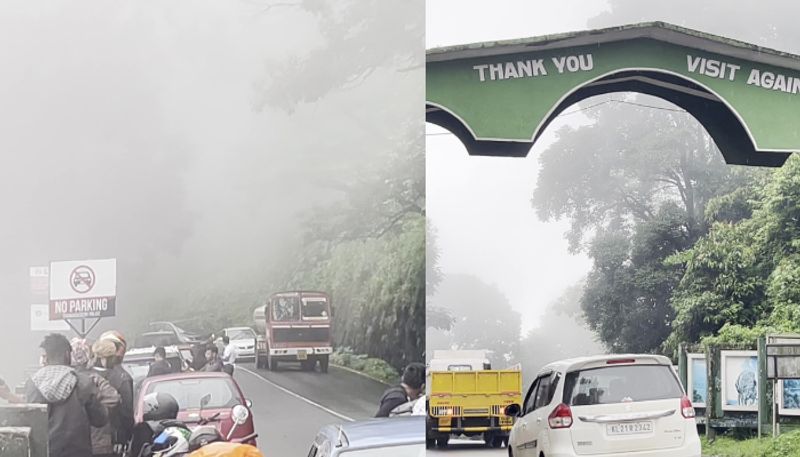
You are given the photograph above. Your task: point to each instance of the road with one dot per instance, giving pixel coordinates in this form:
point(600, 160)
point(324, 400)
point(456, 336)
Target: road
point(468, 448)
point(290, 405)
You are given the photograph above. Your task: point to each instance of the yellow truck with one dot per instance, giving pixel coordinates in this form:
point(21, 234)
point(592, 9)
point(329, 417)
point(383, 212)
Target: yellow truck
point(466, 397)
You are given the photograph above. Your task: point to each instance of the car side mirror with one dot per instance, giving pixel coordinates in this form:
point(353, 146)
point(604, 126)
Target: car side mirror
point(248, 403)
point(512, 410)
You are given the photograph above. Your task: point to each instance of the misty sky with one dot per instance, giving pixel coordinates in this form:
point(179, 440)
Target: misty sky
point(481, 206)
point(153, 132)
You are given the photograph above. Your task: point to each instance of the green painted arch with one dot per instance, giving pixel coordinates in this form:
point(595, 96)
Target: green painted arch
point(504, 112)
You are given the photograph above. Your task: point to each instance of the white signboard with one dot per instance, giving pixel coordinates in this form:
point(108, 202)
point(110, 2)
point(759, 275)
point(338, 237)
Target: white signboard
point(40, 280)
point(40, 320)
point(83, 289)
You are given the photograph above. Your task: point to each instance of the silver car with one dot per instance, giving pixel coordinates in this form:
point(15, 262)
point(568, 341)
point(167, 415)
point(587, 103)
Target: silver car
point(402, 436)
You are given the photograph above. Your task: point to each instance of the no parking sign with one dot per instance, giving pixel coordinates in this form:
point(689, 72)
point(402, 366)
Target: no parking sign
point(83, 289)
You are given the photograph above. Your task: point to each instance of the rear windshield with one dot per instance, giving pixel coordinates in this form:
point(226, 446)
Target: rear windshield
point(621, 383)
point(189, 392)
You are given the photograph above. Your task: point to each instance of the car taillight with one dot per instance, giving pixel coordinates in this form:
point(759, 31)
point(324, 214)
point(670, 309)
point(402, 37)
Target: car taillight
point(686, 407)
point(561, 417)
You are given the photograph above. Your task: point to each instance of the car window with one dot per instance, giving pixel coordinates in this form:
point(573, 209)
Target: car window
point(241, 334)
point(530, 398)
point(620, 383)
point(542, 392)
point(188, 392)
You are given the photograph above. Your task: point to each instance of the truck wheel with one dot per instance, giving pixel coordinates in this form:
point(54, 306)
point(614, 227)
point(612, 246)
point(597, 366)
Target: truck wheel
point(497, 442)
point(442, 442)
point(429, 443)
point(323, 364)
point(488, 439)
point(308, 365)
point(272, 364)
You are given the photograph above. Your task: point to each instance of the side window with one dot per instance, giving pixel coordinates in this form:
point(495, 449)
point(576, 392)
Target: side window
point(529, 399)
point(553, 386)
point(543, 392)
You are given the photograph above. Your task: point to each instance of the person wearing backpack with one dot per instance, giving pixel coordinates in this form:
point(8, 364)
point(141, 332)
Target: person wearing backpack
point(410, 388)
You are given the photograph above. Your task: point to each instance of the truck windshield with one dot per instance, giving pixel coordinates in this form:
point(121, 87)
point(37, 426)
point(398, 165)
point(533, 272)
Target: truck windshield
point(286, 309)
point(315, 308)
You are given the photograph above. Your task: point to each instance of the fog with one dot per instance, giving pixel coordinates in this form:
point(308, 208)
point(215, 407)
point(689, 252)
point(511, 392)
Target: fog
point(190, 140)
point(474, 199)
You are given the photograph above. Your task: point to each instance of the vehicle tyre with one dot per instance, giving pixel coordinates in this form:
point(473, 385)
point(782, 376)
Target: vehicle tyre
point(429, 443)
point(272, 364)
point(442, 442)
point(488, 439)
point(323, 363)
point(497, 442)
point(308, 365)
point(259, 363)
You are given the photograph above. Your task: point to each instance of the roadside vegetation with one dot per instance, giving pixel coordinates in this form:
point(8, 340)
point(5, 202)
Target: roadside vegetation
point(786, 445)
point(370, 366)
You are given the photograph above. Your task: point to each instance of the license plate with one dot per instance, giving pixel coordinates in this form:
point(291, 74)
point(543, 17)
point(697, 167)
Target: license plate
point(506, 421)
point(629, 428)
point(302, 355)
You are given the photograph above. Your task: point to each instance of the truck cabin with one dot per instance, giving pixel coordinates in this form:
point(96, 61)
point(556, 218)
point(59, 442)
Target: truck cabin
point(299, 308)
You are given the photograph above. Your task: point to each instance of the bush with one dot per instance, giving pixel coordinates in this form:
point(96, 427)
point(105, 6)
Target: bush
point(786, 445)
point(370, 366)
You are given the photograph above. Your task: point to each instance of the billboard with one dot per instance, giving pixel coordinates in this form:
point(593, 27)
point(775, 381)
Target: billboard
point(83, 289)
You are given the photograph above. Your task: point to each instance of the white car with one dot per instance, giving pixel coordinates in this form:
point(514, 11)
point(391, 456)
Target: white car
point(244, 338)
point(610, 405)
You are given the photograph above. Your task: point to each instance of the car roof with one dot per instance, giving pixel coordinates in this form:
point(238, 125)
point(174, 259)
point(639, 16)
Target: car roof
point(194, 375)
point(136, 352)
point(578, 363)
point(379, 432)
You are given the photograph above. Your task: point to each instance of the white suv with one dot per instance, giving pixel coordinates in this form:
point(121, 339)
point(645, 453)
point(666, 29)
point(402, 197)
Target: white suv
point(610, 405)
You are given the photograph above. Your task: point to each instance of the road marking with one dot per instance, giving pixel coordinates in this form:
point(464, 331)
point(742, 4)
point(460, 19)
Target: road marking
point(295, 395)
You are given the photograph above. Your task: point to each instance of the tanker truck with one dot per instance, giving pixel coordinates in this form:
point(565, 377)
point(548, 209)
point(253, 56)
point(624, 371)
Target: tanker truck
point(294, 326)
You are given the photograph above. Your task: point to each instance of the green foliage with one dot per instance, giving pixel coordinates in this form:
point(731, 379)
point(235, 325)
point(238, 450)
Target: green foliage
point(370, 366)
point(786, 445)
point(369, 252)
point(641, 189)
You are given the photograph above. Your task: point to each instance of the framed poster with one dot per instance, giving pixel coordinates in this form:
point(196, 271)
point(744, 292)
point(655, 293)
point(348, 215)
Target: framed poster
point(739, 372)
point(788, 397)
point(696, 379)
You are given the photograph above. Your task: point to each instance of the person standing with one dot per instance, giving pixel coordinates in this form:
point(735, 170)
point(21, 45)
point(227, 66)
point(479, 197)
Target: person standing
point(73, 403)
point(230, 353)
point(410, 388)
point(213, 362)
point(102, 437)
point(160, 366)
point(123, 383)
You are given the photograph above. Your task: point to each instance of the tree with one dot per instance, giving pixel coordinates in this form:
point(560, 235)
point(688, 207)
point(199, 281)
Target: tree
point(484, 319)
point(636, 182)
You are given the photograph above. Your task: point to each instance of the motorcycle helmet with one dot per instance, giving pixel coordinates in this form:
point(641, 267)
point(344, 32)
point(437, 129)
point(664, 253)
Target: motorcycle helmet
point(159, 406)
point(173, 441)
point(118, 340)
point(204, 435)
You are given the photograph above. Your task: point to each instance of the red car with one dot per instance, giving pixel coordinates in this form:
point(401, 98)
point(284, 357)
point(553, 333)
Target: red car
point(189, 389)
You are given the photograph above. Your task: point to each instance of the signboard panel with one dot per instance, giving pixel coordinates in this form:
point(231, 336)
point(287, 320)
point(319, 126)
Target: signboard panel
point(40, 320)
point(83, 289)
point(40, 281)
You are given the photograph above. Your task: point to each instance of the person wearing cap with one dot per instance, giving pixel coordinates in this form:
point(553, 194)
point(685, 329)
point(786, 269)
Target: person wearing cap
point(122, 382)
point(102, 444)
point(410, 388)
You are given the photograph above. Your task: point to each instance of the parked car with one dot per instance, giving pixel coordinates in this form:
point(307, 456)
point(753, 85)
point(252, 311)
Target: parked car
point(154, 339)
point(402, 436)
point(190, 388)
point(137, 362)
point(244, 338)
point(611, 405)
point(181, 335)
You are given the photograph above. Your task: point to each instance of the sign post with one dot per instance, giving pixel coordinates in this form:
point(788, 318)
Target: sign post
point(783, 362)
point(83, 289)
